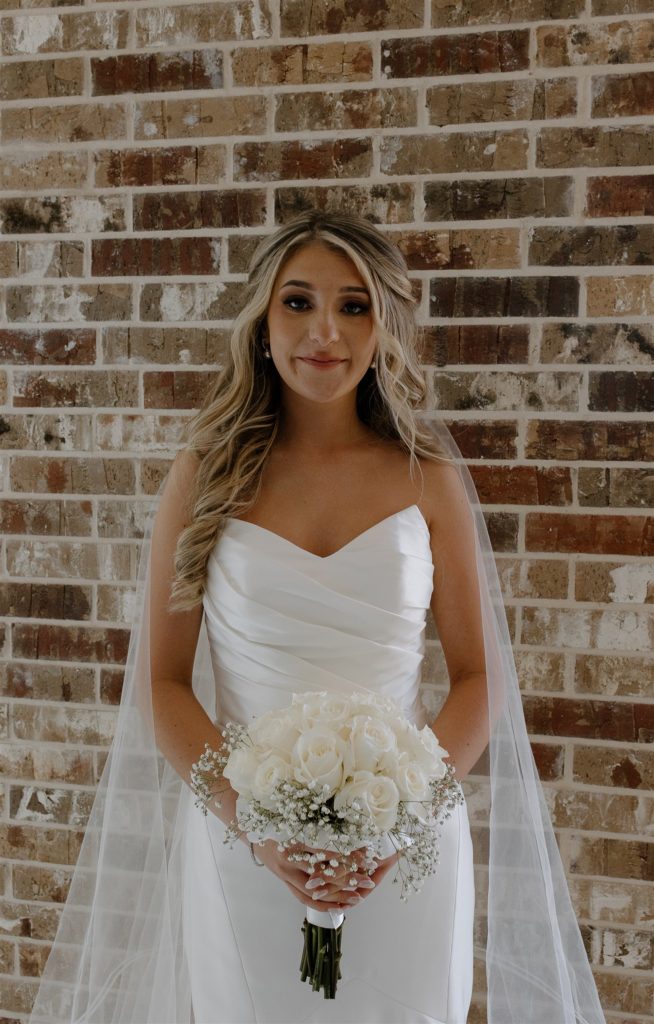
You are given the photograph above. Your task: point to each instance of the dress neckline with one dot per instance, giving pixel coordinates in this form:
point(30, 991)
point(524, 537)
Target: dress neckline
point(344, 547)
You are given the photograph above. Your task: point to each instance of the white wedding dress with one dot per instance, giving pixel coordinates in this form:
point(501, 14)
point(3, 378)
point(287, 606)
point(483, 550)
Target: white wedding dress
point(281, 619)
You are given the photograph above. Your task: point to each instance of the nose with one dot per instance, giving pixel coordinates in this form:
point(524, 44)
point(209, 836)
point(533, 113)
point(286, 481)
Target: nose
point(323, 329)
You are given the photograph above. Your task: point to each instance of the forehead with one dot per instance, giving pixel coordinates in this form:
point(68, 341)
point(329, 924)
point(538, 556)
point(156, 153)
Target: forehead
point(304, 260)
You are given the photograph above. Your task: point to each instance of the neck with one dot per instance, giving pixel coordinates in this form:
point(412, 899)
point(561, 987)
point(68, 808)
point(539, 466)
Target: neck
point(320, 429)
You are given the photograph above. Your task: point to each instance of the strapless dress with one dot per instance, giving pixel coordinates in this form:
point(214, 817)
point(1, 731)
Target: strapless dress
point(282, 620)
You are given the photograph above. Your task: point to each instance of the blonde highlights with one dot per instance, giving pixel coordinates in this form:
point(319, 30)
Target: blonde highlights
point(236, 427)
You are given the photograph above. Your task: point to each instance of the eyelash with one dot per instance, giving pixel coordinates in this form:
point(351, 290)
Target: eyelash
point(300, 298)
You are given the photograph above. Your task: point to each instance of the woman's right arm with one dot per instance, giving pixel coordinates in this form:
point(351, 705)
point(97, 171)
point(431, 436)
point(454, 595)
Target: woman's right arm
point(182, 726)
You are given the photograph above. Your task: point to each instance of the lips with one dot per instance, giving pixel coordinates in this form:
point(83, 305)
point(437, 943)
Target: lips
point(320, 362)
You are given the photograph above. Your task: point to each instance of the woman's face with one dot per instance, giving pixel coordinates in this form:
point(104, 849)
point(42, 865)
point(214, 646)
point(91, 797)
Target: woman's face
point(320, 307)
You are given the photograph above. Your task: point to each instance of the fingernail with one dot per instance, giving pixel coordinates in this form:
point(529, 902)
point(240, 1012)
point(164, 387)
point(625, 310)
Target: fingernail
point(318, 895)
point(313, 883)
point(367, 884)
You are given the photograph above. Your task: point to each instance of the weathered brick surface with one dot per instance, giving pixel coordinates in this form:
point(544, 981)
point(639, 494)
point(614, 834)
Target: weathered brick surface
point(114, 388)
point(178, 119)
point(302, 64)
point(178, 165)
point(41, 516)
point(74, 475)
point(383, 203)
point(506, 148)
point(41, 681)
point(47, 432)
point(156, 72)
point(45, 214)
point(64, 124)
point(323, 158)
point(475, 12)
point(182, 211)
point(128, 257)
point(358, 108)
point(202, 23)
point(480, 199)
point(138, 344)
point(484, 52)
point(626, 196)
point(324, 17)
point(41, 79)
point(183, 390)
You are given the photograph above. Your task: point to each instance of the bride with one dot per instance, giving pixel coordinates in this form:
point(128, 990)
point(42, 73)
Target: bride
point(303, 533)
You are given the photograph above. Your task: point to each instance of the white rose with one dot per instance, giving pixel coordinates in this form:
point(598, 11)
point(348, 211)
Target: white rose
point(275, 732)
point(412, 782)
point(371, 740)
point(423, 747)
point(268, 775)
point(332, 710)
point(375, 705)
point(376, 795)
point(318, 756)
point(240, 770)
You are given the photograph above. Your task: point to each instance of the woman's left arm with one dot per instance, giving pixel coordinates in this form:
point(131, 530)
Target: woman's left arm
point(461, 725)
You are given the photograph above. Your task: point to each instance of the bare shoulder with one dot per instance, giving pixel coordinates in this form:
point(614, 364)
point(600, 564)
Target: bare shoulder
point(444, 499)
point(185, 466)
point(181, 482)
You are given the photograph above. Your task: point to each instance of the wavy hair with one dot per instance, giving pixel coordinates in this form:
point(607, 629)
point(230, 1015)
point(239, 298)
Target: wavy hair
point(235, 429)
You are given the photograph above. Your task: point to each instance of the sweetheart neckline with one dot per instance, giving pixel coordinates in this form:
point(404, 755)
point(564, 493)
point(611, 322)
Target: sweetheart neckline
point(325, 558)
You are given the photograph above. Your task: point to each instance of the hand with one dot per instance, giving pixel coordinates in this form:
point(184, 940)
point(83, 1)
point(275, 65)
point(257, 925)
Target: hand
point(335, 892)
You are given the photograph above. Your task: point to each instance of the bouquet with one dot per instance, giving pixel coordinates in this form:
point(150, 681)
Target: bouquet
point(341, 773)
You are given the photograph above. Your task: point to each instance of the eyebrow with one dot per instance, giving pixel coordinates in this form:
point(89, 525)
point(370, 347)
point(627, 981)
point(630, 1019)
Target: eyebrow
point(305, 284)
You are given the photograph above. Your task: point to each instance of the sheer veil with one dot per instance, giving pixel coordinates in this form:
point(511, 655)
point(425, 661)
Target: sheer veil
point(118, 955)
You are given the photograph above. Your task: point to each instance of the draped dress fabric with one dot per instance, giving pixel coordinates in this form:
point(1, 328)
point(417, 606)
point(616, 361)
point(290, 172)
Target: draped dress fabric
point(282, 620)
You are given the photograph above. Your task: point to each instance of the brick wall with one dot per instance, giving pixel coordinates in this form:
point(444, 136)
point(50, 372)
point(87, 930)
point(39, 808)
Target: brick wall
point(508, 148)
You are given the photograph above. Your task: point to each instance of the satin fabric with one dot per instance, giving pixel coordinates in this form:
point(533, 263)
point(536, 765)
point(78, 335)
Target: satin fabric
point(281, 620)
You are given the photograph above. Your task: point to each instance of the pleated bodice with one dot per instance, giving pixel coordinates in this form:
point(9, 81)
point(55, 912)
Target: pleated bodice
point(281, 619)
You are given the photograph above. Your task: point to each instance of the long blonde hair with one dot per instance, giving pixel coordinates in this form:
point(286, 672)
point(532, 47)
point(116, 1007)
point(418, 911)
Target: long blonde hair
point(235, 429)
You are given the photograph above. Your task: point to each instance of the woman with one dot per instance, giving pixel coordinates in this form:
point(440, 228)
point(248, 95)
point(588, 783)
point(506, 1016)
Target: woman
point(302, 535)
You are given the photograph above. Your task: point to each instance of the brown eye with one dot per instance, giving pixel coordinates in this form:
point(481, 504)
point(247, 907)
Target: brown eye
point(294, 298)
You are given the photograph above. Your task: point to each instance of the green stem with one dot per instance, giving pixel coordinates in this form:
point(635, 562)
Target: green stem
point(321, 956)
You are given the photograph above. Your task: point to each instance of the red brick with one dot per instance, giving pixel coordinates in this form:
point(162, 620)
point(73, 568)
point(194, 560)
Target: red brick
point(504, 296)
point(161, 165)
point(623, 95)
point(34, 681)
point(45, 601)
point(76, 475)
point(594, 439)
point(58, 518)
point(70, 643)
point(550, 760)
point(39, 345)
point(494, 439)
point(92, 388)
point(322, 158)
point(607, 535)
point(621, 391)
point(522, 485)
point(156, 72)
point(184, 389)
point(625, 195)
point(591, 719)
point(324, 16)
point(175, 211)
point(448, 344)
point(469, 54)
point(129, 257)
